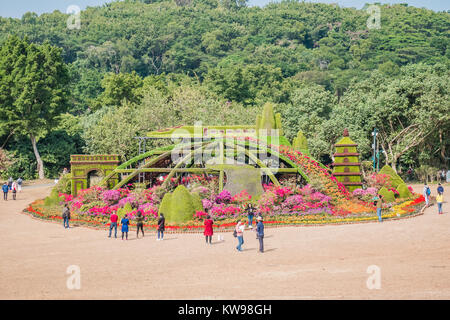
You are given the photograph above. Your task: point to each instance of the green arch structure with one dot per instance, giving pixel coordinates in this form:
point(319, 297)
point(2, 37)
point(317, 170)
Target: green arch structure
point(250, 149)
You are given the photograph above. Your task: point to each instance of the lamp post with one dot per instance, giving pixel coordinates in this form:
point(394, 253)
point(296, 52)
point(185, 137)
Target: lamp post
point(375, 148)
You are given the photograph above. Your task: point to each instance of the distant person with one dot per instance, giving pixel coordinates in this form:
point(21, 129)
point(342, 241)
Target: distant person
point(113, 225)
point(19, 184)
point(426, 194)
point(240, 227)
point(209, 232)
point(260, 233)
point(10, 182)
point(66, 216)
point(250, 214)
point(379, 207)
point(410, 173)
point(161, 227)
point(5, 189)
point(125, 222)
point(140, 224)
point(440, 201)
point(440, 189)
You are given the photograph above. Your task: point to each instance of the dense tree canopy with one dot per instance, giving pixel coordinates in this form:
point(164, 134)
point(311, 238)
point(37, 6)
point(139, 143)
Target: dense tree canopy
point(156, 63)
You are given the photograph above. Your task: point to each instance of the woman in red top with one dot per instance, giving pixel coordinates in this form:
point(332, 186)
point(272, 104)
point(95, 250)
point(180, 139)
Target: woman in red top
point(208, 229)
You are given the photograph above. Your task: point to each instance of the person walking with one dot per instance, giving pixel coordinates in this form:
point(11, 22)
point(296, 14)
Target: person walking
point(260, 233)
point(240, 227)
point(10, 182)
point(140, 224)
point(161, 227)
point(19, 184)
point(209, 232)
point(5, 189)
point(426, 193)
point(250, 214)
point(66, 216)
point(113, 225)
point(440, 201)
point(379, 207)
point(125, 222)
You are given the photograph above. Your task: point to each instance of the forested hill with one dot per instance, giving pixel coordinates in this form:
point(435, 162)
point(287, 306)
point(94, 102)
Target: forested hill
point(134, 67)
point(322, 43)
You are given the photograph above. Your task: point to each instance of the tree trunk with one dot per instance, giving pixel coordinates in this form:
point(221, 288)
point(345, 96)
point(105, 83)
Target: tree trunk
point(40, 164)
point(441, 142)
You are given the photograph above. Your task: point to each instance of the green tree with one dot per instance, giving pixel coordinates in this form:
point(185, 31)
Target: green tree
point(33, 89)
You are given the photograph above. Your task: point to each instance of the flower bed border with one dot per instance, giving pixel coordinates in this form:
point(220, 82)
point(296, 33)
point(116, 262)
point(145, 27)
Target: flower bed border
point(230, 226)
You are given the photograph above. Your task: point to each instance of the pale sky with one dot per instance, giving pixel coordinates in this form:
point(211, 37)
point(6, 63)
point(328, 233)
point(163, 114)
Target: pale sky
point(16, 8)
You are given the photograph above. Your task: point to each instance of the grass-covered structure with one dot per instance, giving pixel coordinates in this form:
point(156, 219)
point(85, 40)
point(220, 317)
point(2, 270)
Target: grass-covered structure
point(347, 167)
point(219, 171)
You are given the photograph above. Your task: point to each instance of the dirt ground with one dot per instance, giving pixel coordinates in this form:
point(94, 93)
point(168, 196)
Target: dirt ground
point(328, 262)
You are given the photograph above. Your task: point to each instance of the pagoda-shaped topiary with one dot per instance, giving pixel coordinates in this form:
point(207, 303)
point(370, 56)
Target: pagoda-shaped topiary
point(347, 168)
point(300, 143)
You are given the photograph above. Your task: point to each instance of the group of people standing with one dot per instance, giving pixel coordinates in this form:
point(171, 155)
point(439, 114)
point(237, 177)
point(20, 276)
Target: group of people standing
point(125, 223)
point(439, 196)
point(208, 231)
point(13, 186)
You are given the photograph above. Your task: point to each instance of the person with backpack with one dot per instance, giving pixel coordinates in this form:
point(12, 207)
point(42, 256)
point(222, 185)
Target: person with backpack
point(66, 216)
point(140, 224)
point(440, 189)
point(125, 223)
point(5, 189)
point(426, 193)
point(239, 234)
point(209, 232)
point(161, 227)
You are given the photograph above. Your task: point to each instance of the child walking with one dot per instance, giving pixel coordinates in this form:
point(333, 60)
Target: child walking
point(440, 200)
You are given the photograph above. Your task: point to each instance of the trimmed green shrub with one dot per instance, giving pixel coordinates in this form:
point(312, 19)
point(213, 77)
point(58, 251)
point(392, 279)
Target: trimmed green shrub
point(180, 205)
point(53, 199)
point(388, 196)
point(197, 202)
point(300, 143)
point(404, 191)
point(394, 178)
point(65, 184)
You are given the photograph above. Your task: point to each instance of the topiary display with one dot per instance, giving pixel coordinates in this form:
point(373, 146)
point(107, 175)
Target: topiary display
point(300, 143)
point(404, 191)
point(53, 199)
point(180, 206)
point(394, 178)
point(268, 120)
point(347, 168)
point(388, 196)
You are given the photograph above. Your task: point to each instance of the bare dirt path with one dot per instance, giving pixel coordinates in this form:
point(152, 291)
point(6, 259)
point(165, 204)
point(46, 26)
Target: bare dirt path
point(327, 262)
